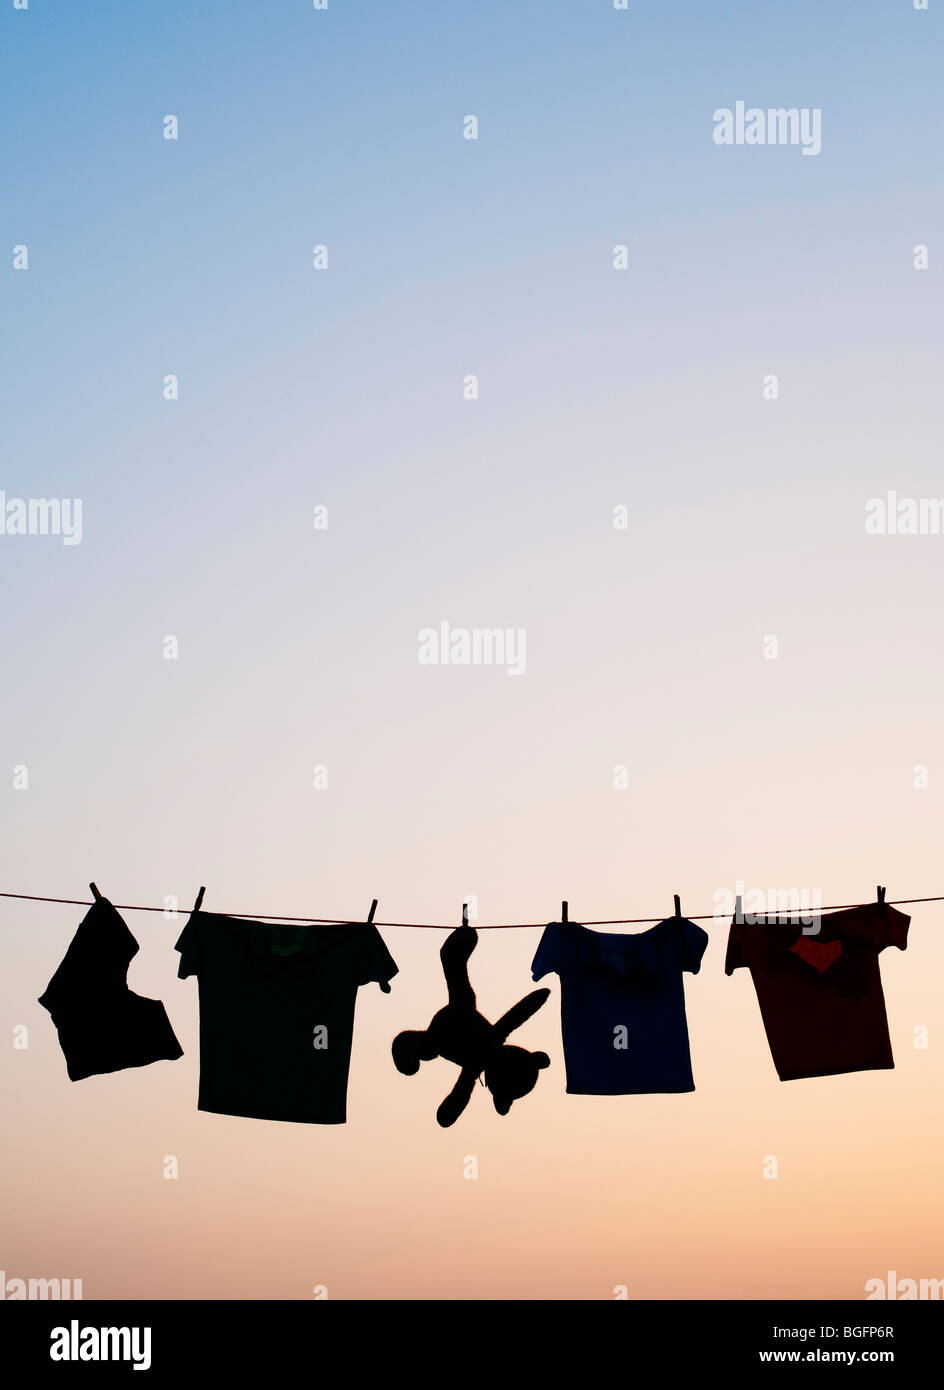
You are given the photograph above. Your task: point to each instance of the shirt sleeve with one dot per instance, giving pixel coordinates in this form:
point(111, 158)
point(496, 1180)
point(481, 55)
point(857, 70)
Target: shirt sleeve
point(55, 993)
point(373, 962)
point(188, 944)
point(892, 929)
point(733, 956)
point(65, 984)
point(547, 958)
point(694, 944)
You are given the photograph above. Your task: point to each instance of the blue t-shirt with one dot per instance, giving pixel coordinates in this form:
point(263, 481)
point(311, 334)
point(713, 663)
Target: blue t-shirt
point(623, 1005)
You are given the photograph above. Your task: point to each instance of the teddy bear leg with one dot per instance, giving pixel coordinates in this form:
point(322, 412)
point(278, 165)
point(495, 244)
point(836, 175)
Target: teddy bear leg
point(458, 1098)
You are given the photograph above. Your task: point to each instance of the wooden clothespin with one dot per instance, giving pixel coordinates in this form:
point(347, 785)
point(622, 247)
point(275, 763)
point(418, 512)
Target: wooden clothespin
point(465, 914)
point(373, 909)
point(95, 893)
point(199, 901)
point(564, 913)
point(880, 894)
point(678, 905)
point(738, 909)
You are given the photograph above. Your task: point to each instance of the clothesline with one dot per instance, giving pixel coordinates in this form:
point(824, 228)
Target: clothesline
point(722, 918)
point(623, 1021)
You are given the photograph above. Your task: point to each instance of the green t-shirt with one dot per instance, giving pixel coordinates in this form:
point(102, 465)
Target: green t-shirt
point(277, 1013)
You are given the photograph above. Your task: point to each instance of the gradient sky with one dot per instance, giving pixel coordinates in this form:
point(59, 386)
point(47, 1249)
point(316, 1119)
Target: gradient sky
point(298, 647)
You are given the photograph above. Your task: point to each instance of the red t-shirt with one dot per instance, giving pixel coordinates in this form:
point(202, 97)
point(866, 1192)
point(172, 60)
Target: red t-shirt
point(821, 996)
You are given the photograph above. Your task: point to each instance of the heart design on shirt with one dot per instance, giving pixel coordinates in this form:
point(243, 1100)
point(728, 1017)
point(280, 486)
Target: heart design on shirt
point(819, 954)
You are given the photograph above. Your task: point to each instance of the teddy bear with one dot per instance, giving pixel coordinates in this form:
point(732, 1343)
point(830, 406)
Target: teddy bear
point(462, 1035)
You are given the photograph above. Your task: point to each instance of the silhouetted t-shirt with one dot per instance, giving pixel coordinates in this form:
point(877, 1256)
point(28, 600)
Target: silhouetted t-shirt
point(103, 1026)
point(277, 1013)
point(623, 1023)
point(821, 995)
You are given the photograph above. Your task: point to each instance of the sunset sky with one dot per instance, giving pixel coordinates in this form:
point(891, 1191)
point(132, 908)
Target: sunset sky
point(653, 745)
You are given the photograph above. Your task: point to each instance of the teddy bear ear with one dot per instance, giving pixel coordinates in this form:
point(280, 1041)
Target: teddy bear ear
point(541, 1059)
